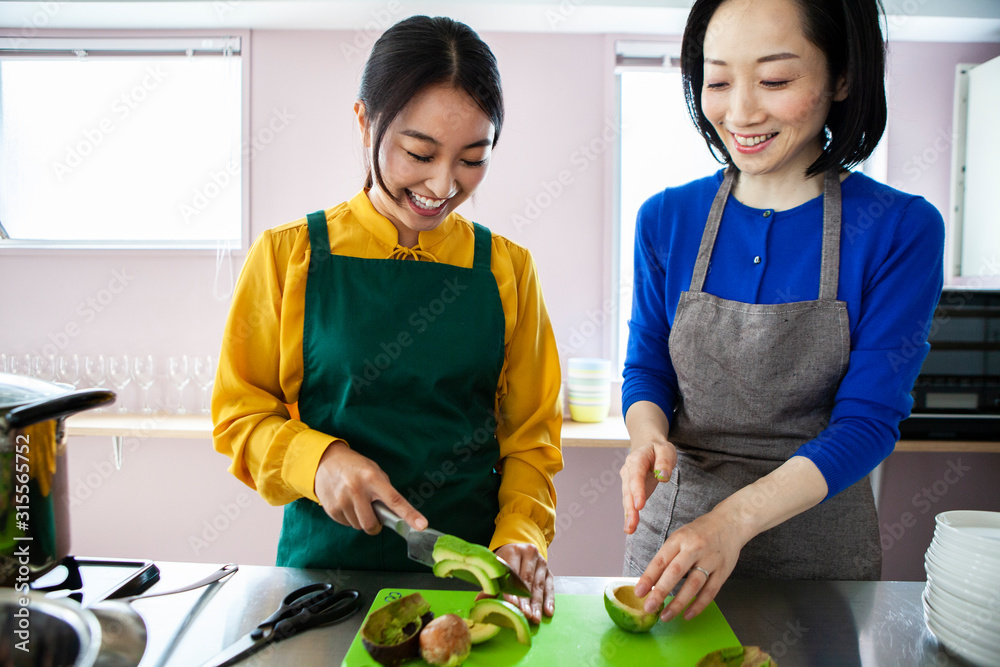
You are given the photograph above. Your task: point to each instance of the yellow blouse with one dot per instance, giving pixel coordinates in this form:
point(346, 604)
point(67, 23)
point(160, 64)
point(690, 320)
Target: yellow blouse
point(260, 366)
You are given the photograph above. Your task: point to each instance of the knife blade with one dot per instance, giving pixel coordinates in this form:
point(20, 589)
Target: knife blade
point(420, 547)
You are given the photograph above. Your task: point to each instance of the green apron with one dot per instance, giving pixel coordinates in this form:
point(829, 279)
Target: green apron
point(401, 359)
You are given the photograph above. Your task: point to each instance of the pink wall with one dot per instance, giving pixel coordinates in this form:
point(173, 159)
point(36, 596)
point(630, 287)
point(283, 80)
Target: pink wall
point(558, 90)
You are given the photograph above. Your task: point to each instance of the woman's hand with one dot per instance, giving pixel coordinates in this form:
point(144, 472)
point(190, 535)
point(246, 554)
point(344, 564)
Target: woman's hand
point(646, 466)
point(529, 563)
point(705, 551)
point(347, 483)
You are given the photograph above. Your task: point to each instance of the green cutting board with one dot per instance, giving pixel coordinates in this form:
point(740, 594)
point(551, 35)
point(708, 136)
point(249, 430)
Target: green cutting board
point(580, 633)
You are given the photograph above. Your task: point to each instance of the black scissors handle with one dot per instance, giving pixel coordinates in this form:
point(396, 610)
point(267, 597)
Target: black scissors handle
point(308, 607)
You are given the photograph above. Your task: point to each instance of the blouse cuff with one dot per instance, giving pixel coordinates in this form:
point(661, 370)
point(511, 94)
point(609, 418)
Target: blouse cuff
point(302, 461)
point(517, 528)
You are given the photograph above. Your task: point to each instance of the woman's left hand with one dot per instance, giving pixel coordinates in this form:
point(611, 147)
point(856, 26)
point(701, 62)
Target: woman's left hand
point(709, 544)
point(529, 563)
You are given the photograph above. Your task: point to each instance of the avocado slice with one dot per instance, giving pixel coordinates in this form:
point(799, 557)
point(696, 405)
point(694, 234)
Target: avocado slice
point(449, 547)
point(391, 634)
point(481, 632)
point(468, 572)
point(738, 656)
point(500, 612)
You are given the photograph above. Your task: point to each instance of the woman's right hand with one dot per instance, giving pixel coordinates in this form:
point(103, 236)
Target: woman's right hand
point(347, 483)
point(650, 462)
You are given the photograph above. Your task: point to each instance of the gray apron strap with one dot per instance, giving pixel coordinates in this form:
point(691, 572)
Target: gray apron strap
point(830, 264)
point(711, 229)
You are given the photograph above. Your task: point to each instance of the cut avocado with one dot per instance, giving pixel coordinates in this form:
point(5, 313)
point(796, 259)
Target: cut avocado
point(391, 634)
point(468, 572)
point(481, 631)
point(625, 608)
point(449, 547)
point(738, 656)
point(502, 613)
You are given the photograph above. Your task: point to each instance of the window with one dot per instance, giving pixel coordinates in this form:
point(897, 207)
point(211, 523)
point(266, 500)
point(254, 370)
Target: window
point(659, 148)
point(121, 142)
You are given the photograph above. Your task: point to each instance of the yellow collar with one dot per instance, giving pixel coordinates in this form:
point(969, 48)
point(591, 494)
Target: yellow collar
point(385, 232)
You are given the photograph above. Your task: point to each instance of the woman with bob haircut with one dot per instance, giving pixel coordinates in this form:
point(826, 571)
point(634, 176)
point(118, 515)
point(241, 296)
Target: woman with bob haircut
point(389, 349)
point(781, 311)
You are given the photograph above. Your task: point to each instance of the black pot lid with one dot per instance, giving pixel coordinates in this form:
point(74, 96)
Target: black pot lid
point(20, 389)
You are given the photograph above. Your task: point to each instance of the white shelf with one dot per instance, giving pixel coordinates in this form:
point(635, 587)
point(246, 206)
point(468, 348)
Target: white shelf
point(609, 433)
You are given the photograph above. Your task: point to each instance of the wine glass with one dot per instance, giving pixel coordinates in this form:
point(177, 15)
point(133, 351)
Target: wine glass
point(45, 367)
point(144, 372)
point(20, 364)
point(94, 369)
point(177, 371)
point(204, 376)
point(68, 369)
point(120, 375)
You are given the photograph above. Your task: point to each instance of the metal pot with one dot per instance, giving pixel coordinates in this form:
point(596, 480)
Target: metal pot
point(41, 631)
point(34, 493)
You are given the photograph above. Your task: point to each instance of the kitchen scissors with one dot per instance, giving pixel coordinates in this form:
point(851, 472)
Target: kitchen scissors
point(308, 607)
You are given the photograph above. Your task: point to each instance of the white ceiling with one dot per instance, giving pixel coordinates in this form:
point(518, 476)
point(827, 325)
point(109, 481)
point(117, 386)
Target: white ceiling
point(908, 20)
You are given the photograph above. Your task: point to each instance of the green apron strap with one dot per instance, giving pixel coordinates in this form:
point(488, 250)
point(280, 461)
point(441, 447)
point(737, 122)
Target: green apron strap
point(319, 237)
point(483, 248)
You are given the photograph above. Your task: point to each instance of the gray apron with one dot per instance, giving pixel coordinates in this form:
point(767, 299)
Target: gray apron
point(757, 381)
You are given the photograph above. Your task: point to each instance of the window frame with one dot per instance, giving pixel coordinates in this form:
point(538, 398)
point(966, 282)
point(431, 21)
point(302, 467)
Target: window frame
point(142, 40)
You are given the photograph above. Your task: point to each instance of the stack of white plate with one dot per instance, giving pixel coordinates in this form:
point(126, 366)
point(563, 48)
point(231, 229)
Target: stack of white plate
point(962, 596)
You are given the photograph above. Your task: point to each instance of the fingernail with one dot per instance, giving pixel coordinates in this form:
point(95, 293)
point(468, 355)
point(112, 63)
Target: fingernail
point(421, 523)
point(667, 615)
point(536, 611)
point(641, 589)
point(657, 474)
point(550, 607)
point(650, 606)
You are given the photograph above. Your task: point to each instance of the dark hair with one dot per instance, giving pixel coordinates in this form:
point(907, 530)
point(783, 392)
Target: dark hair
point(849, 34)
point(418, 52)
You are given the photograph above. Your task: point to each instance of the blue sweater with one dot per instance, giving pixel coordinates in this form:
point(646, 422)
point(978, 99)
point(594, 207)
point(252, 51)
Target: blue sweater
point(891, 274)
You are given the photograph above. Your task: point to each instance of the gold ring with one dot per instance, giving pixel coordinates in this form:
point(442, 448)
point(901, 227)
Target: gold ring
point(702, 570)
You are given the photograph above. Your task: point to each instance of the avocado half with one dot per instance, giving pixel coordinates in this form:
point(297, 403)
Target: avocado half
point(738, 656)
point(625, 608)
point(391, 634)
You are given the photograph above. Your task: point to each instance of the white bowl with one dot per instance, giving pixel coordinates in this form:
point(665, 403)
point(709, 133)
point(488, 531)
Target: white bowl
point(969, 591)
point(971, 633)
point(977, 564)
point(950, 548)
point(978, 621)
point(979, 529)
point(955, 644)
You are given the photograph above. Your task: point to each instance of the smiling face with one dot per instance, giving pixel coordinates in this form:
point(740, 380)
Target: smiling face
point(767, 89)
point(434, 155)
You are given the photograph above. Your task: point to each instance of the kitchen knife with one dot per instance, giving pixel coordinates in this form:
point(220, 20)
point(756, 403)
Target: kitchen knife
point(420, 547)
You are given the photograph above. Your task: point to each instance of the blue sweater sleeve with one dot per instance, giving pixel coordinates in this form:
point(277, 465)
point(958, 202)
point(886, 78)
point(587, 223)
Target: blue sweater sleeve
point(649, 374)
point(888, 346)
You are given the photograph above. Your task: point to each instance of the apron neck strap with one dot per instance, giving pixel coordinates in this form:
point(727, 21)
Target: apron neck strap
point(711, 230)
point(829, 272)
point(830, 257)
point(319, 237)
point(483, 247)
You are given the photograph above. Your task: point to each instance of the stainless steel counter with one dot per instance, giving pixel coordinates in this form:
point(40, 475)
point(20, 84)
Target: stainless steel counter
point(799, 623)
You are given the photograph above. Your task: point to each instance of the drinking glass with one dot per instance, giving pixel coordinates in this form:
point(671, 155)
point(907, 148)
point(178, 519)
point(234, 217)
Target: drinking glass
point(144, 372)
point(120, 375)
point(94, 369)
point(68, 369)
point(3, 362)
point(45, 367)
point(20, 364)
point(204, 376)
point(177, 371)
